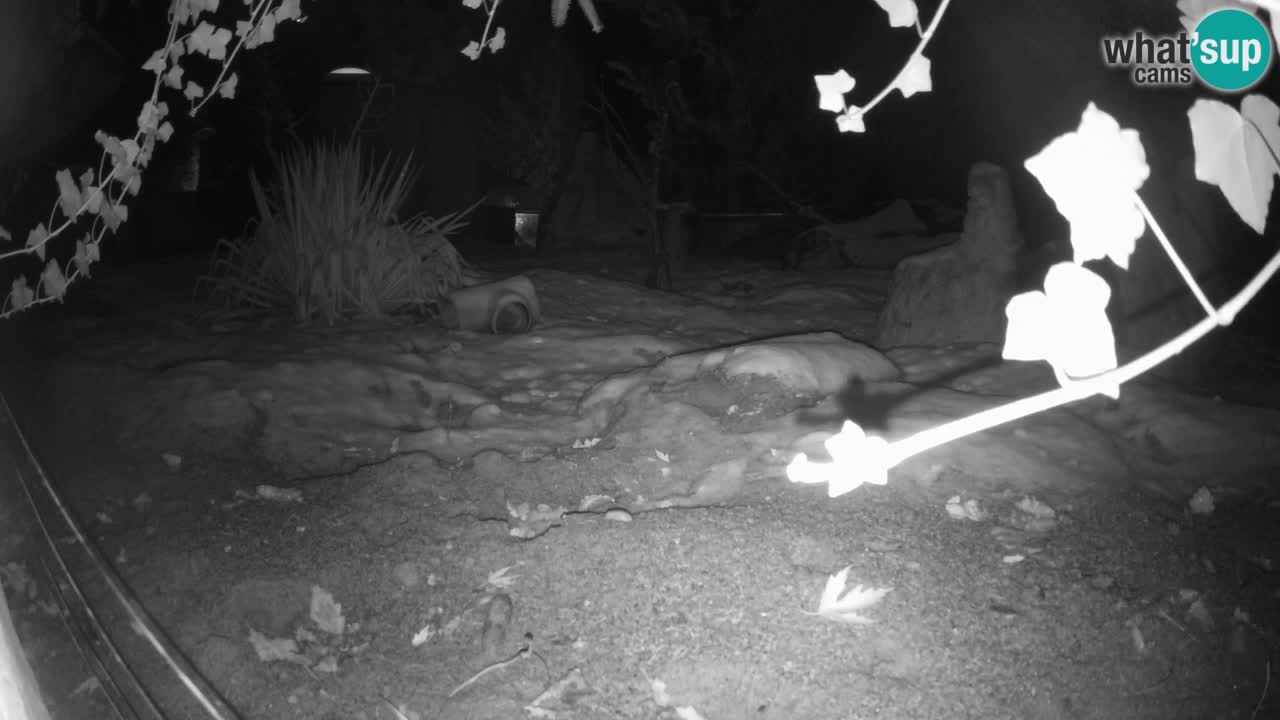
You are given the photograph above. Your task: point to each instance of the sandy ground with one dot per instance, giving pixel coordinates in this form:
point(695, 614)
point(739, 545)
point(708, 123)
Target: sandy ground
point(1106, 597)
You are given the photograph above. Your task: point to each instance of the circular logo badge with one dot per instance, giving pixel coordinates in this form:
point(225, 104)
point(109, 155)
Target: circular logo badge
point(1231, 50)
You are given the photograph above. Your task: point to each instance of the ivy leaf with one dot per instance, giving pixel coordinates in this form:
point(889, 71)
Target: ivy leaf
point(851, 120)
point(113, 215)
point(228, 87)
point(20, 294)
point(1066, 325)
point(93, 199)
point(209, 41)
point(472, 50)
point(193, 91)
point(124, 157)
point(52, 282)
point(37, 238)
point(832, 89)
point(471, 4)
point(5, 236)
point(256, 35)
point(176, 50)
point(902, 13)
point(266, 31)
point(155, 63)
point(915, 77)
point(131, 150)
point(173, 78)
point(69, 200)
point(86, 255)
point(151, 115)
point(289, 10)
point(164, 132)
point(843, 605)
point(1237, 151)
point(110, 144)
point(498, 41)
point(856, 458)
point(1092, 175)
point(187, 10)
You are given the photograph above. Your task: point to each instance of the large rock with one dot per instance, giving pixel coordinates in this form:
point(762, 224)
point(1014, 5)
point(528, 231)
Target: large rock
point(958, 293)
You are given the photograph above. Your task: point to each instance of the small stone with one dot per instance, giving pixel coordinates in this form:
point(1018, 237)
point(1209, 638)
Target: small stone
point(1201, 503)
point(407, 574)
point(618, 515)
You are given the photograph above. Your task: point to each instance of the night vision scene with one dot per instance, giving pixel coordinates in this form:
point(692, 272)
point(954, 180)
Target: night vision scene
point(639, 360)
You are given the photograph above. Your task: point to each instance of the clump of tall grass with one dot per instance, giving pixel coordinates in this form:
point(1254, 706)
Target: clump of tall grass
point(328, 243)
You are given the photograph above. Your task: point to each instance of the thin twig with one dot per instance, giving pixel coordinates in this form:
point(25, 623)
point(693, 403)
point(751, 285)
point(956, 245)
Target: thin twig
point(521, 654)
point(1171, 621)
point(1266, 684)
point(398, 712)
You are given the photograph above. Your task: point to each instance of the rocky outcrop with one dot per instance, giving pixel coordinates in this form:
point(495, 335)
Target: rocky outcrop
point(958, 293)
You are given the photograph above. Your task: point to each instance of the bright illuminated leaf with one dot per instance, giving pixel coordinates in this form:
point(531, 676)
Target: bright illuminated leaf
point(851, 120)
point(832, 89)
point(1066, 325)
point(856, 459)
point(845, 605)
point(915, 77)
point(1092, 175)
point(902, 13)
point(1237, 151)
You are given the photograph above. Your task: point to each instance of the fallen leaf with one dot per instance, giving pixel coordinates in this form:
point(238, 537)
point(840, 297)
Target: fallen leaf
point(325, 613)
point(843, 605)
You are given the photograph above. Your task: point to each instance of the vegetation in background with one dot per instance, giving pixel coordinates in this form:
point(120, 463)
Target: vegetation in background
point(329, 244)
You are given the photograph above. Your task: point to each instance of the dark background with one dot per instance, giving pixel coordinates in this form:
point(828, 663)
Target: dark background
point(1008, 78)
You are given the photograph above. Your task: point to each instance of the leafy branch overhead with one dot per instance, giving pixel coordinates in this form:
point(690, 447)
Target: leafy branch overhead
point(101, 198)
point(1093, 175)
point(495, 38)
